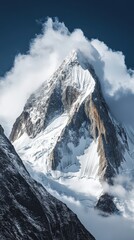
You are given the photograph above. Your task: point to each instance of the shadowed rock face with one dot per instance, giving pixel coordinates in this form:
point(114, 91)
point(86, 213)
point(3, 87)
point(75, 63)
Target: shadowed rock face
point(27, 210)
point(106, 205)
point(109, 147)
point(55, 105)
point(77, 128)
point(69, 96)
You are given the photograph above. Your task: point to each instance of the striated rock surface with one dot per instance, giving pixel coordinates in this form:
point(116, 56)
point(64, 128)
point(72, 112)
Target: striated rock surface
point(27, 210)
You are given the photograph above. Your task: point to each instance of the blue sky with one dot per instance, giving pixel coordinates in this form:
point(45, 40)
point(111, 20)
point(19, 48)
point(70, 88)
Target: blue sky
point(109, 21)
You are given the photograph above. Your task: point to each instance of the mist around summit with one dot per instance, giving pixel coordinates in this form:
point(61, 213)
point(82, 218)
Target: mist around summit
point(46, 53)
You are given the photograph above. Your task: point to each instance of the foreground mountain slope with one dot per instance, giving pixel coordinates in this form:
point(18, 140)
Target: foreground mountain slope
point(27, 210)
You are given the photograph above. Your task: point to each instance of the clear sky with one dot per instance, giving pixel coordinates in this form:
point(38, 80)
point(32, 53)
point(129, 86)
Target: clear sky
point(111, 21)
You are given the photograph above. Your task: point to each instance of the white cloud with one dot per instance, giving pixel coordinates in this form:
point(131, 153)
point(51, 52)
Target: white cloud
point(82, 201)
point(116, 75)
point(123, 191)
point(117, 83)
point(103, 228)
point(46, 53)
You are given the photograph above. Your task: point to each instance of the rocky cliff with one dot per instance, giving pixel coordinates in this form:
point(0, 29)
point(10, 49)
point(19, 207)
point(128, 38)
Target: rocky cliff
point(27, 210)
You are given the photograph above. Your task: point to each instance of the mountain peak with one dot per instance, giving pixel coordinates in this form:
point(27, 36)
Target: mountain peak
point(77, 56)
point(66, 133)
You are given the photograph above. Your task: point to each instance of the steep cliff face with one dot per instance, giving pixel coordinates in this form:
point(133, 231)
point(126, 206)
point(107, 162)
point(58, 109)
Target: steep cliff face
point(27, 210)
point(110, 148)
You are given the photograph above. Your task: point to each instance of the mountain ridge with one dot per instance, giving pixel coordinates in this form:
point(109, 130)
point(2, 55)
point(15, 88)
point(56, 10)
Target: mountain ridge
point(28, 211)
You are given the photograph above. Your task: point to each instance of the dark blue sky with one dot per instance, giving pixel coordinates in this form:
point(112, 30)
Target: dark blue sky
point(111, 21)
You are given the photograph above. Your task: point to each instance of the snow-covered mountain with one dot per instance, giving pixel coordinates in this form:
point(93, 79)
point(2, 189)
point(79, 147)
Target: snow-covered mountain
point(68, 139)
point(67, 116)
point(27, 210)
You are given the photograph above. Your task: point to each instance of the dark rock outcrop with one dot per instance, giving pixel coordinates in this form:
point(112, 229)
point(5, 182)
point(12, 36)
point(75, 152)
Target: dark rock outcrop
point(27, 210)
point(106, 205)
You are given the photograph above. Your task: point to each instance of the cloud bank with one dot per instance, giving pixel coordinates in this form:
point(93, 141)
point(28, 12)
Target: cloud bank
point(46, 53)
point(123, 191)
point(117, 83)
point(114, 227)
point(105, 228)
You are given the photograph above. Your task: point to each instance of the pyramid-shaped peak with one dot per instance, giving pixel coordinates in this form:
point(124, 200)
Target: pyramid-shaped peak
point(78, 56)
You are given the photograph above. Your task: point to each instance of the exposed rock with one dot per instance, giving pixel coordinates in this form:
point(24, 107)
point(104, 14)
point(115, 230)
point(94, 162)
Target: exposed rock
point(77, 128)
point(55, 105)
point(106, 205)
point(110, 148)
point(27, 210)
point(70, 95)
point(1, 130)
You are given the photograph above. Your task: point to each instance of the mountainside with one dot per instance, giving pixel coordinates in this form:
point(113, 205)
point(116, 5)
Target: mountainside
point(71, 107)
point(27, 210)
point(68, 139)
